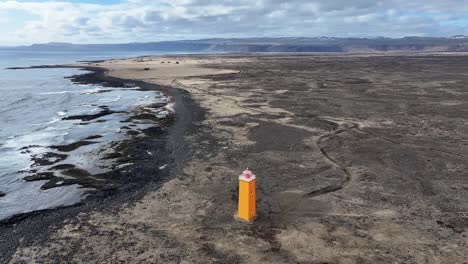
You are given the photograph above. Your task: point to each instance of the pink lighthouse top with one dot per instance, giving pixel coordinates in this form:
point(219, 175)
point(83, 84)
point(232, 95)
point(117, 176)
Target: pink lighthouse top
point(247, 175)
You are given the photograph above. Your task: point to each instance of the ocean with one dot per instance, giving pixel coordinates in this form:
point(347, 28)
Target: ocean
point(37, 107)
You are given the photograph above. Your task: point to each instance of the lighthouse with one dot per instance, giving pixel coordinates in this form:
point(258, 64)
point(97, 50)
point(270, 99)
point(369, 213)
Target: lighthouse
point(247, 205)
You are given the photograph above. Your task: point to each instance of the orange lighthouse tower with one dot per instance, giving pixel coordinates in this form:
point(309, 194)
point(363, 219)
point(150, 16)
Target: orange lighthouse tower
point(247, 205)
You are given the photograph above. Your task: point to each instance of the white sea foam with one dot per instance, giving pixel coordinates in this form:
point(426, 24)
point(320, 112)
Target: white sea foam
point(170, 107)
point(110, 100)
point(43, 137)
point(55, 120)
point(59, 92)
point(88, 105)
point(92, 91)
point(163, 114)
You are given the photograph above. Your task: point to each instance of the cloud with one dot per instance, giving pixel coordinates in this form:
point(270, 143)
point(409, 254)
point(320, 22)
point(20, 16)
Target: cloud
point(153, 20)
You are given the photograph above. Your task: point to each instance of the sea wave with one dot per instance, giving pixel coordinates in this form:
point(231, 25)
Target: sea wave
point(92, 91)
point(59, 92)
point(111, 100)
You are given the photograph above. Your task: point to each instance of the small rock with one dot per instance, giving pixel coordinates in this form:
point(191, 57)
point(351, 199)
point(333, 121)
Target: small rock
point(361, 233)
point(2, 194)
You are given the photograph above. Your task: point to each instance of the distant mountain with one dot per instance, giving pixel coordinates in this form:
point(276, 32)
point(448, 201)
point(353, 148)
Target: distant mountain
point(291, 44)
point(459, 37)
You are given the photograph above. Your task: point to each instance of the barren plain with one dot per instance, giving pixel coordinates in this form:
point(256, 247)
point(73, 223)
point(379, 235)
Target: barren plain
point(359, 159)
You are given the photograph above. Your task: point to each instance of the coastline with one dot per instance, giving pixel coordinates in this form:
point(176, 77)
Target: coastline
point(143, 175)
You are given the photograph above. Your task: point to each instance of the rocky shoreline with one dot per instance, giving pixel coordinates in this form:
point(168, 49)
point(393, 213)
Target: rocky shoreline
point(124, 184)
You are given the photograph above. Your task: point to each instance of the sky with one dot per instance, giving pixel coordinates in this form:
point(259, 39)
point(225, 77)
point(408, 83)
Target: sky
point(25, 22)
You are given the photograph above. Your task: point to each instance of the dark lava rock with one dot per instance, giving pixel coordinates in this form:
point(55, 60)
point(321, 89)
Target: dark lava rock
point(104, 112)
point(63, 167)
point(97, 121)
point(153, 131)
point(54, 183)
point(156, 105)
point(133, 133)
point(40, 176)
point(72, 146)
point(114, 155)
point(30, 146)
point(144, 116)
point(76, 173)
point(48, 158)
point(93, 137)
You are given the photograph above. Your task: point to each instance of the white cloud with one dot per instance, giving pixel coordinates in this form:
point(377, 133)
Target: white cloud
point(145, 20)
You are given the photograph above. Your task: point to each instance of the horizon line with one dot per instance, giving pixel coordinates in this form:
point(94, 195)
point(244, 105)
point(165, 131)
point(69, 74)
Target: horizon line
point(233, 38)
